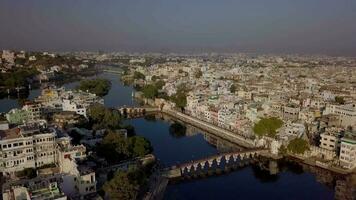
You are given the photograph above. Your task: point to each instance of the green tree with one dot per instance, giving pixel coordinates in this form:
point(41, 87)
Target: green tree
point(298, 146)
point(198, 74)
point(154, 78)
point(102, 117)
point(150, 91)
point(100, 87)
point(233, 88)
point(27, 172)
point(113, 147)
point(138, 75)
point(339, 100)
point(267, 127)
point(17, 78)
point(140, 146)
point(123, 186)
point(180, 98)
point(159, 84)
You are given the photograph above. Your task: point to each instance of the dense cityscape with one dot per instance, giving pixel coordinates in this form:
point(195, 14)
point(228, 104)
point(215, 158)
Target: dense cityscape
point(177, 100)
point(256, 110)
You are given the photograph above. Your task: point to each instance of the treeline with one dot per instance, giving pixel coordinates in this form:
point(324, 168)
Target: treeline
point(116, 146)
point(17, 78)
point(100, 87)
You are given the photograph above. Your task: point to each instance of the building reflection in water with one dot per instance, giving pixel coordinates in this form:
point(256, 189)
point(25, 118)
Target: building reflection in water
point(344, 186)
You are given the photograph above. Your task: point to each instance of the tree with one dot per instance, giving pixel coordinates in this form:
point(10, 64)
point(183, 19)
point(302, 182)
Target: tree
point(115, 147)
point(140, 146)
point(198, 74)
point(27, 172)
point(180, 98)
point(298, 146)
point(123, 186)
point(154, 78)
point(339, 100)
point(102, 117)
point(17, 78)
point(159, 84)
point(100, 87)
point(150, 91)
point(233, 88)
point(138, 75)
point(267, 127)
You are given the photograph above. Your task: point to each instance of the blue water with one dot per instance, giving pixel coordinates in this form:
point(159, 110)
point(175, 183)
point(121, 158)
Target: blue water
point(241, 184)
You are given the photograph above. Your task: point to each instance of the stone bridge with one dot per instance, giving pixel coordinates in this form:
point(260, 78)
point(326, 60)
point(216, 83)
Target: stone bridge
point(133, 111)
point(215, 161)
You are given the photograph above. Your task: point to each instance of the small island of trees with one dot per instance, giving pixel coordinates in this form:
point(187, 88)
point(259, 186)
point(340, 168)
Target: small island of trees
point(99, 87)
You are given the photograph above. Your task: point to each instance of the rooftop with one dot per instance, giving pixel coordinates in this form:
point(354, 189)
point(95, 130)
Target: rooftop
point(10, 134)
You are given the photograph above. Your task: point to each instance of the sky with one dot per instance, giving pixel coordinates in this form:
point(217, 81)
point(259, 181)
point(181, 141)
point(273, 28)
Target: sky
point(251, 26)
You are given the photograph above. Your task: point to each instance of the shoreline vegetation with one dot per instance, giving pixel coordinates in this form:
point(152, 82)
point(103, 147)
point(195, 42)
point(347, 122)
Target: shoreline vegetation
point(98, 86)
point(116, 147)
point(265, 127)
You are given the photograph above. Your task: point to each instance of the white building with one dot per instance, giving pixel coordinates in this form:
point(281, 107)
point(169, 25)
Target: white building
point(26, 147)
point(346, 113)
point(330, 141)
point(348, 151)
point(69, 105)
point(8, 56)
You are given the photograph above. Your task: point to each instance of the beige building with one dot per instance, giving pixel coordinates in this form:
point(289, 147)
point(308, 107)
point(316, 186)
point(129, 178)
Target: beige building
point(330, 141)
point(346, 113)
point(348, 151)
point(26, 147)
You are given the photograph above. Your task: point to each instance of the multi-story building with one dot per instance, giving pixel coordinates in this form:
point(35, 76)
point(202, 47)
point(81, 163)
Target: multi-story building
point(346, 113)
point(291, 112)
point(85, 183)
point(33, 109)
point(27, 146)
point(69, 105)
point(348, 151)
point(34, 189)
point(58, 99)
point(330, 141)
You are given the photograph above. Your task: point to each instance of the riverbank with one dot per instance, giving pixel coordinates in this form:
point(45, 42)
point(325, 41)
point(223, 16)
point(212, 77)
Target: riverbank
point(243, 141)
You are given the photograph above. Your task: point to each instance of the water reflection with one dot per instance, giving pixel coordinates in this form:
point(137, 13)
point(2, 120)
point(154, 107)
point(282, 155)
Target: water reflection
point(285, 179)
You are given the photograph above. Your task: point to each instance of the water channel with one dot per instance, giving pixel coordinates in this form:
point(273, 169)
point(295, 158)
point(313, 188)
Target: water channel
point(293, 181)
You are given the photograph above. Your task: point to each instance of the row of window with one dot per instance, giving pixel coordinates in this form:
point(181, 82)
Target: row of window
point(19, 144)
point(46, 154)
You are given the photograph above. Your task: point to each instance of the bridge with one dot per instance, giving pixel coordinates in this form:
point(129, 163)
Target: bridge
point(213, 162)
point(136, 111)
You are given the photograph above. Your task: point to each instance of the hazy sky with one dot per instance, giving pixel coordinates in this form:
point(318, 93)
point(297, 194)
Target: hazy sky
point(263, 26)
